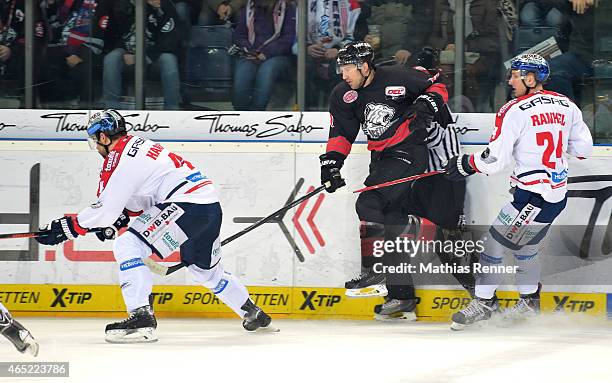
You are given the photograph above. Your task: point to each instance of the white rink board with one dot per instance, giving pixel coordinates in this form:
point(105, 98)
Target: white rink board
point(253, 180)
point(207, 125)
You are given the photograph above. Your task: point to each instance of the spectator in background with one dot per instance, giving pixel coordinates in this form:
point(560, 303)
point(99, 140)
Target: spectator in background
point(331, 25)
point(12, 39)
point(114, 31)
point(215, 12)
point(404, 28)
point(264, 34)
point(186, 12)
point(569, 68)
point(545, 13)
point(482, 47)
point(68, 54)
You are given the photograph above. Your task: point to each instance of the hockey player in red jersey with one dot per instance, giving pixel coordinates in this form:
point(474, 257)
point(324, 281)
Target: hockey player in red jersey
point(394, 107)
point(176, 207)
point(535, 131)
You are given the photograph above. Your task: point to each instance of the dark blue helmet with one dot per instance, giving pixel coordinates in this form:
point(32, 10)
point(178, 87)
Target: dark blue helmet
point(531, 63)
point(108, 121)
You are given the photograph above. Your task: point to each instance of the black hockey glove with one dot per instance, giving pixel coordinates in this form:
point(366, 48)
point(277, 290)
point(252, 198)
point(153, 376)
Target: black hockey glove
point(423, 111)
point(60, 230)
point(111, 231)
point(330, 172)
point(458, 168)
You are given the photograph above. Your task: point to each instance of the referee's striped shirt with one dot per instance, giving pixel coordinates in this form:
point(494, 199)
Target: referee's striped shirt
point(443, 144)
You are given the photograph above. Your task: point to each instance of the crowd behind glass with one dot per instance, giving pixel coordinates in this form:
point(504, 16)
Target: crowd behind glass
point(244, 54)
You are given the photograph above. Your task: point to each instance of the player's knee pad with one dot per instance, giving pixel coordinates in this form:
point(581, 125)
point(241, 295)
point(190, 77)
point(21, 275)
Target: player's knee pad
point(368, 207)
point(212, 278)
point(129, 247)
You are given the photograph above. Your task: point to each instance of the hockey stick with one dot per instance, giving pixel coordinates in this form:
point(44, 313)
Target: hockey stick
point(399, 181)
point(34, 234)
point(164, 270)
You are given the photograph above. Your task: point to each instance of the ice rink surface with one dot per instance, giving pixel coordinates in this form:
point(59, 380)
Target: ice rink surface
point(551, 349)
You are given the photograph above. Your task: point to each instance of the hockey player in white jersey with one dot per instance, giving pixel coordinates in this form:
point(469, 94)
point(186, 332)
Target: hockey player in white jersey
point(18, 335)
point(176, 208)
point(535, 131)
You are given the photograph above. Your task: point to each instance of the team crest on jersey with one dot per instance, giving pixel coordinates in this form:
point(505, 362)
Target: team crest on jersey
point(395, 92)
point(350, 96)
point(377, 119)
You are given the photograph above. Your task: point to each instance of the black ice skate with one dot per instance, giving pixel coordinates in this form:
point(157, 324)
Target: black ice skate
point(395, 310)
point(368, 284)
point(528, 306)
point(256, 319)
point(139, 327)
point(478, 311)
point(17, 334)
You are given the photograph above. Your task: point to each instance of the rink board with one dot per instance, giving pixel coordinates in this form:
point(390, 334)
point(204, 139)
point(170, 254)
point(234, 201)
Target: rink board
point(42, 180)
point(299, 302)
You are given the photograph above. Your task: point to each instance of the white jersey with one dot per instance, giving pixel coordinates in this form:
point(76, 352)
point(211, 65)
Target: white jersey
point(537, 130)
point(138, 174)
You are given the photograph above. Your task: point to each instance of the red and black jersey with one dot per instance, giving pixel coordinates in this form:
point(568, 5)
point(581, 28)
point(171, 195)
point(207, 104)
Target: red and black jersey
point(379, 109)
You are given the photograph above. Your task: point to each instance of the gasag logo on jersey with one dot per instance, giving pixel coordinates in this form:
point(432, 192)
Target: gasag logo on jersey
point(350, 96)
point(544, 100)
point(559, 176)
point(395, 92)
point(135, 146)
point(377, 119)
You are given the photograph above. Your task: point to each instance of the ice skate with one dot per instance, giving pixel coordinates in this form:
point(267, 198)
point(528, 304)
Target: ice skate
point(479, 311)
point(395, 310)
point(139, 327)
point(19, 336)
point(528, 306)
point(368, 284)
point(256, 319)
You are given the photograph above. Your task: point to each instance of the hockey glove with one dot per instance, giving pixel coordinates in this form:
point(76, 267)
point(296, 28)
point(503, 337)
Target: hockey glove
point(111, 231)
point(60, 230)
point(423, 111)
point(458, 168)
point(330, 172)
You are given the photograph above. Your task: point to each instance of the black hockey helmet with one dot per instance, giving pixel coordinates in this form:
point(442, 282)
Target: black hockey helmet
point(357, 53)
